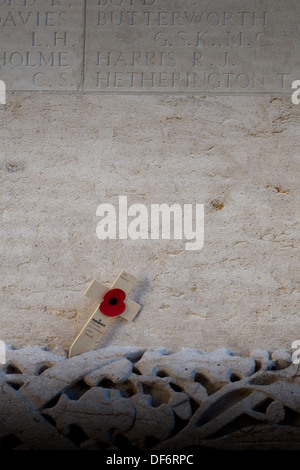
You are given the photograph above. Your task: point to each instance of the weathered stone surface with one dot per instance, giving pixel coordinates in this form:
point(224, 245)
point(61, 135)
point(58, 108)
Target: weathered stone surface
point(150, 422)
point(95, 413)
point(191, 46)
point(260, 409)
point(275, 412)
point(42, 389)
point(24, 427)
point(188, 363)
point(261, 357)
point(149, 46)
point(180, 404)
point(32, 360)
point(62, 156)
point(117, 371)
point(42, 44)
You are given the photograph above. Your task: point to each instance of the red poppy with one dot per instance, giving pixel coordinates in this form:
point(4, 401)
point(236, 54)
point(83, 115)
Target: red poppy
point(113, 303)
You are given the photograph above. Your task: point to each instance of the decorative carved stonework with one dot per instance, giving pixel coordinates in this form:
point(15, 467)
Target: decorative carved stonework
point(117, 398)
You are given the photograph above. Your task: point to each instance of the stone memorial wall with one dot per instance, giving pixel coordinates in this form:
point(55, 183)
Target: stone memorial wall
point(93, 117)
point(145, 46)
point(112, 101)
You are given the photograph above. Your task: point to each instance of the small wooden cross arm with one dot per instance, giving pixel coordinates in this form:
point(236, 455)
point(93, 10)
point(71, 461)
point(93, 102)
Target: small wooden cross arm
point(98, 323)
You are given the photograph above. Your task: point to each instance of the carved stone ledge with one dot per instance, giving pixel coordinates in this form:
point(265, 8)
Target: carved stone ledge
point(131, 398)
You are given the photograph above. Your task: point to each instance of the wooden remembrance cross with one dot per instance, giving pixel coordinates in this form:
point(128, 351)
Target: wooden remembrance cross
point(113, 302)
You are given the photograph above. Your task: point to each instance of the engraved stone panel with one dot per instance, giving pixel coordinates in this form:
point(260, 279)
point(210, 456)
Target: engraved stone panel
point(191, 46)
point(41, 44)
